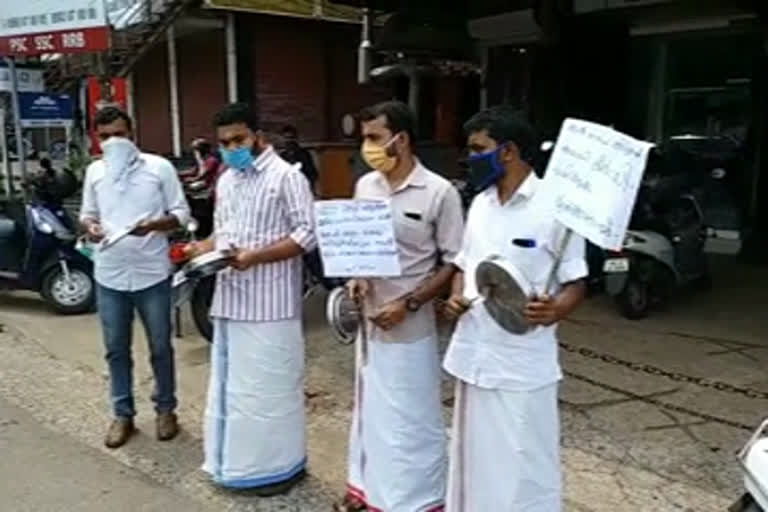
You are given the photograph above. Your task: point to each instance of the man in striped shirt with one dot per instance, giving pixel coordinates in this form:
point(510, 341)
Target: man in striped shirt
point(254, 420)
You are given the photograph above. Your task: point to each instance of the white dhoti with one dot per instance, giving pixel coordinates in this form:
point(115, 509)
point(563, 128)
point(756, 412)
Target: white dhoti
point(254, 419)
point(397, 454)
point(505, 451)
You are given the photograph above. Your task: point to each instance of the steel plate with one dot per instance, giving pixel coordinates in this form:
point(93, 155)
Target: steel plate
point(208, 264)
point(506, 292)
point(343, 316)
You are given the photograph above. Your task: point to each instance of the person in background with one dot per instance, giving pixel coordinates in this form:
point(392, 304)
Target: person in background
point(254, 422)
point(44, 182)
point(505, 443)
point(294, 153)
point(397, 453)
point(207, 160)
point(123, 190)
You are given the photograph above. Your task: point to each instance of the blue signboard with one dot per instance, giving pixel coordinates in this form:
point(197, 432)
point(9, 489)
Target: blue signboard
point(43, 109)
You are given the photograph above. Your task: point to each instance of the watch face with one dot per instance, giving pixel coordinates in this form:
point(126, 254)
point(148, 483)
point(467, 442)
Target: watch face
point(412, 304)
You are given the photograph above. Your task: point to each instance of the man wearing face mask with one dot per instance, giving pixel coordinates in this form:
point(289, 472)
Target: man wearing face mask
point(397, 456)
point(254, 422)
point(128, 189)
point(505, 452)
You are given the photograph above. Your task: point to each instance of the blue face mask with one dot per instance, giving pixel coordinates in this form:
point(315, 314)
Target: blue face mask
point(240, 159)
point(485, 169)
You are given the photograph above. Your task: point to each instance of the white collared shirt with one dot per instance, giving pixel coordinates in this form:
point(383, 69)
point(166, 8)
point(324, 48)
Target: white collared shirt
point(256, 208)
point(152, 191)
point(481, 352)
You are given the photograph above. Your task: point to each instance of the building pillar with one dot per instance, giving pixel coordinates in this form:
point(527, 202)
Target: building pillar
point(231, 51)
point(173, 82)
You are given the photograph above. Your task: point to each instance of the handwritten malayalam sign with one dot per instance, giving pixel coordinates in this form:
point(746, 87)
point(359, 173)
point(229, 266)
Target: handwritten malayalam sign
point(594, 174)
point(357, 238)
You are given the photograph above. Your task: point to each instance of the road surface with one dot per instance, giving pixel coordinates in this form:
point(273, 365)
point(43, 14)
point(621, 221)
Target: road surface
point(44, 471)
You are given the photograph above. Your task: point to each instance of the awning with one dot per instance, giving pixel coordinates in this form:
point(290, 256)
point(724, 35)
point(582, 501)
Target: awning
point(318, 9)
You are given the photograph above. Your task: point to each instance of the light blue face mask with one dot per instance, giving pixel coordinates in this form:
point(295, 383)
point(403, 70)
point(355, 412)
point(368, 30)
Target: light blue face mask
point(240, 159)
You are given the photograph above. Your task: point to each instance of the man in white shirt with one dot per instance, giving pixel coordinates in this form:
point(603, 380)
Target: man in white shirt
point(140, 192)
point(505, 441)
point(255, 426)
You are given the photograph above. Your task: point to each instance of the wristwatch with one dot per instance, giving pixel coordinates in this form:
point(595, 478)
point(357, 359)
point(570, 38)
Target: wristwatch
point(412, 304)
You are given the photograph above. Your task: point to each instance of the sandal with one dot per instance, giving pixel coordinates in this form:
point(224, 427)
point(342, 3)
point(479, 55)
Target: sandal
point(350, 504)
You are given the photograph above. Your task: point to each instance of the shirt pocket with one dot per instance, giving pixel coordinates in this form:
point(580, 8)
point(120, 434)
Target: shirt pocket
point(412, 228)
point(529, 252)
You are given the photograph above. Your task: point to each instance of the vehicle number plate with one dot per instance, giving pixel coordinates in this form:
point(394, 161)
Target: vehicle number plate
point(615, 265)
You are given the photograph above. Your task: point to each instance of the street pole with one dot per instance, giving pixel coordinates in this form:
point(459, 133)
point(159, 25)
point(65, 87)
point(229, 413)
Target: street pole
point(17, 124)
point(173, 82)
point(6, 158)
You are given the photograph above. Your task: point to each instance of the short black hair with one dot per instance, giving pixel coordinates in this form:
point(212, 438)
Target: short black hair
point(236, 113)
point(397, 114)
point(290, 130)
point(109, 115)
point(505, 124)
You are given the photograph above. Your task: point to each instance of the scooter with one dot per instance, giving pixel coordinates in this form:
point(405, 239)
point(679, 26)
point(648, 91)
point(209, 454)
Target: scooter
point(38, 252)
point(664, 249)
point(753, 459)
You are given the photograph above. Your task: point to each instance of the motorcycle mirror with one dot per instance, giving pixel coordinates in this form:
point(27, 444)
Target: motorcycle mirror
point(193, 225)
point(547, 145)
point(718, 173)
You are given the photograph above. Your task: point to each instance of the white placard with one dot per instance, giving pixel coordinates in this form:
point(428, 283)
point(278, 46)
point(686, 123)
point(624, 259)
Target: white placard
point(357, 238)
point(594, 175)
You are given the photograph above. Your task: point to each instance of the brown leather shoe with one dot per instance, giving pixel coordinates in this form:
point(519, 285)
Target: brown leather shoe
point(120, 431)
point(167, 424)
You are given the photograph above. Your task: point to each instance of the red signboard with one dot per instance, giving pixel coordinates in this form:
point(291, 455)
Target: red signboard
point(64, 41)
point(119, 93)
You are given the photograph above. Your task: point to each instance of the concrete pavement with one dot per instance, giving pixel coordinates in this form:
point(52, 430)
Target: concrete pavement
point(620, 453)
point(45, 471)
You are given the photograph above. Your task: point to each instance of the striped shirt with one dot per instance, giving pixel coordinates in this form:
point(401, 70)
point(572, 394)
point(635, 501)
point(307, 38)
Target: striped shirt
point(256, 208)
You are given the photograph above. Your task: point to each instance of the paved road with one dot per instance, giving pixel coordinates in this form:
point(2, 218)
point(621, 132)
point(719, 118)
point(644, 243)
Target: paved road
point(42, 471)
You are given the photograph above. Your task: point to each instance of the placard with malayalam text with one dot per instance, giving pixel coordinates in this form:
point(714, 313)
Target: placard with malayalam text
point(593, 177)
point(357, 238)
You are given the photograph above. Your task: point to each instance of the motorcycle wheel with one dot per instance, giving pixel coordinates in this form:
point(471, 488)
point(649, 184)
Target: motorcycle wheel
point(202, 298)
point(73, 296)
point(635, 300)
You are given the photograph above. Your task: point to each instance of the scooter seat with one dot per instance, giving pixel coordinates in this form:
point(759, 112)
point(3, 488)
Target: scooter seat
point(7, 228)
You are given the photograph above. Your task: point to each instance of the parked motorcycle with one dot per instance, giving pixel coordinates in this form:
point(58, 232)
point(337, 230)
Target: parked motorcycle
point(663, 250)
point(38, 252)
point(199, 194)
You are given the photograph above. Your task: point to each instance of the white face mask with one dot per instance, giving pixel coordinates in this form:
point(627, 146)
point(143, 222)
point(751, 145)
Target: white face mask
point(120, 154)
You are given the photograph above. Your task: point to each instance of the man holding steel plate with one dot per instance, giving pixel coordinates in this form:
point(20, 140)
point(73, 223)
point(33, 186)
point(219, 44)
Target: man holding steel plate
point(397, 456)
point(505, 446)
point(254, 419)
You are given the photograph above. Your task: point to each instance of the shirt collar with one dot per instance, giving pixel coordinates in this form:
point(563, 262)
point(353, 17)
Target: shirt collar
point(525, 191)
point(264, 159)
point(416, 178)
